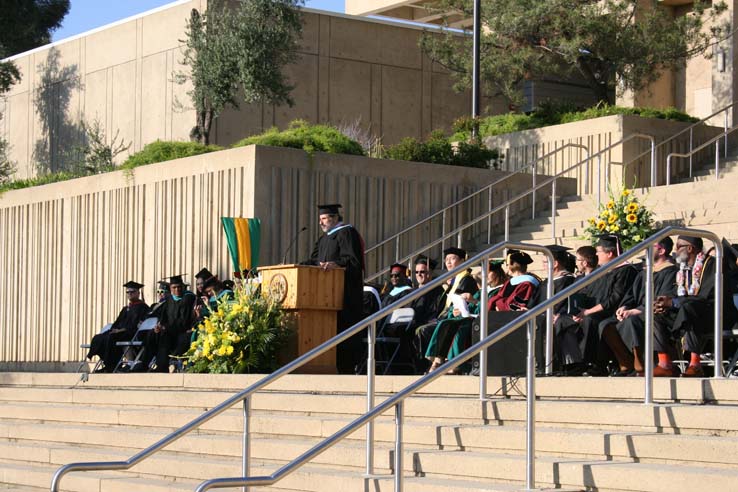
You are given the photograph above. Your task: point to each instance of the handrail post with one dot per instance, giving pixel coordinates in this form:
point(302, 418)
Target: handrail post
point(489, 216)
point(654, 171)
point(549, 322)
point(717, 159)
point(668, 168)
point(530, 447)
point(725, 133)
point(246, 453)
point(507, 223)
point(533, 206)
point(483, 327)
point(443, 230)
point(370, 371)
point(397, 249)
point(553, 209)
point(648, 349)
point(690, 156)
point(586, 174)
point(718, 352)
point(398, 445)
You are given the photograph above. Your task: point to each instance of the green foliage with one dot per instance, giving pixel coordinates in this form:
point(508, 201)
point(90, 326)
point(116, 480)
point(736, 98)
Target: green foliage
point(551, 114)
point(606, 43)
point(621, 215)
point(26, 25)
point(310, 138)
point(438, 149)
point(99, 155)
point(161, 151)
point(39, 180)
point(7, 168)
point(240, 48)
point(240, 336)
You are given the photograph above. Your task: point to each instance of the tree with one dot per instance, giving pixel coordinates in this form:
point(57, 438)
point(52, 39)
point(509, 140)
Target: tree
point(608, 43)
point(24, 25)
point(235, 49)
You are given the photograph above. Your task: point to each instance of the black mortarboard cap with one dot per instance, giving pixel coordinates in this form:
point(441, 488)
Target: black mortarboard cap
point(610, 241)
point(211, 281)
point(203, 274)
point(496, 265)
point(454, 251)
point(398, 266)
point(163, 285)
point(556, 247)
point(132, 285)
point(519, 257)
point(330, 208)
point(228, 284)
point(176, 279)
point(694, 241)
point(424, 260)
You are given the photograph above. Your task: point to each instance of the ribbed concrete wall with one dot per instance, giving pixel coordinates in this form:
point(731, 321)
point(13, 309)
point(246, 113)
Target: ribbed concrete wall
point(66, 248)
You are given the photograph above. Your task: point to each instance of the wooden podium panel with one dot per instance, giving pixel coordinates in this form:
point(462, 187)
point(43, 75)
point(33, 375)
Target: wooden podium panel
point(312, 298)
point(305, 286)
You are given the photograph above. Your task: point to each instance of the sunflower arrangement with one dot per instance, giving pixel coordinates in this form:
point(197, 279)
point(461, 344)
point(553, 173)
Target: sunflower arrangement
point(623, 215)
point(242, 335)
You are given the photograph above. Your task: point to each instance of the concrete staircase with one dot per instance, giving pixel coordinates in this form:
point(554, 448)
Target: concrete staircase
point(703, 202)
point(593, 434)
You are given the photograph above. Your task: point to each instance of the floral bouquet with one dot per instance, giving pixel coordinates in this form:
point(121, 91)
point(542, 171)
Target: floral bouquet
point(624, 216)
point(242, 335)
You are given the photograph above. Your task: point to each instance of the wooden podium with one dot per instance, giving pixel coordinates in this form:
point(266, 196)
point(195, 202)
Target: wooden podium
point(312, 298)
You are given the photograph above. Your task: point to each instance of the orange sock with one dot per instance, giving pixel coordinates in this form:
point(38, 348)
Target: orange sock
point(664, 360)
point(694, 359)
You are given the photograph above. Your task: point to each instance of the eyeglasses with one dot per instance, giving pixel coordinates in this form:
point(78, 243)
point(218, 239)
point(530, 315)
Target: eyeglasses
point(421, 272)
point(680, 246)
point(161, 291)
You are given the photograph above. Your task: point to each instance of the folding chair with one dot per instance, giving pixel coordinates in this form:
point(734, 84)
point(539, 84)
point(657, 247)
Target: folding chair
point(400, 321)
point(135, 347)
point(87, 346)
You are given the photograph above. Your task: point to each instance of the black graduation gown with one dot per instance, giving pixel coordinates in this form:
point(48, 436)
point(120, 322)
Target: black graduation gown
point(344, 246)
point(177, 318)
point(427, 306)
point(559, 284)
point(608, 292)
point(632, 329)
point(695, 316)
point(103, 344)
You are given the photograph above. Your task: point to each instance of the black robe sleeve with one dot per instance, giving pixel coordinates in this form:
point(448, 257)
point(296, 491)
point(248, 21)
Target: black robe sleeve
point(620, 280)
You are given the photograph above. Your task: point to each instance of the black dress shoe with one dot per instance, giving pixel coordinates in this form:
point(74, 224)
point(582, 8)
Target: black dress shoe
point(625, 373)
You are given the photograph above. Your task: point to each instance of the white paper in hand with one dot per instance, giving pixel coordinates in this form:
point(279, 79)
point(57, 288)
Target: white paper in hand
point(460, 304)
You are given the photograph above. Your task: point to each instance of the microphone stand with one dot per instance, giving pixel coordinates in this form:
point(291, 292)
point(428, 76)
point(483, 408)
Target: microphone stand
point(292, 243)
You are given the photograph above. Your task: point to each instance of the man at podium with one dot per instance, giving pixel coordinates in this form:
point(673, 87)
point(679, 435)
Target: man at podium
point(342, 246)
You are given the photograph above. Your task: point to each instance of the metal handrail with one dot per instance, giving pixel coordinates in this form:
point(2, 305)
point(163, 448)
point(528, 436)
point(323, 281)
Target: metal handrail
point(396, 236)
point(716, 140)
point(690, 129)
point(506, 206)
point(244, 396)
point(529, 316)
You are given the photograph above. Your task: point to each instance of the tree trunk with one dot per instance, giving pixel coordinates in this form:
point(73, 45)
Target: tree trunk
point(600, 90)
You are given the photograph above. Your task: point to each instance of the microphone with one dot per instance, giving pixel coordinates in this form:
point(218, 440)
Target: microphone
point(292, 243)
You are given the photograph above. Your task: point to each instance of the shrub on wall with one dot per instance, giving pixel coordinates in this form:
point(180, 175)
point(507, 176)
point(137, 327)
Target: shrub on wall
point(555, 114)
point(310, 138)
point(161, 151)
point(438, 149)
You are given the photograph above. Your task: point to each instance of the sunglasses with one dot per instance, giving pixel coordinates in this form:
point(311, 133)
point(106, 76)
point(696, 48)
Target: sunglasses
point(421, 272)
point(394, 275)
point(161, 292)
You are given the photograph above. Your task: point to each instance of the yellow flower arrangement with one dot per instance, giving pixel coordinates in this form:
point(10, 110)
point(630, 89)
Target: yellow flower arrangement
point(242, 335)
point(624, 215)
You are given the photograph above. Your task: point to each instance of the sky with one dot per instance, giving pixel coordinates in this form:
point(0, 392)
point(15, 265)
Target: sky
point(89, 14)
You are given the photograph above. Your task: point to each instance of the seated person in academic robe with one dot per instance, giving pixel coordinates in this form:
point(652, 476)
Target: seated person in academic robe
point(426, 307)
point(625, 331)
point(201, 307)
point(690, 315)
point(577, 341)
point(585, 261)
point(172, 334)
point(122, 330)
point(399, 285)
point(563, 276)
point(462, 283)
point(517, 292)
point(162, 293)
